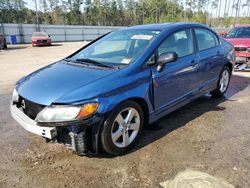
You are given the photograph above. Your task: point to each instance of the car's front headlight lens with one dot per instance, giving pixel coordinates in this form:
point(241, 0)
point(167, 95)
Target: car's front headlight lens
point(248, 49)
point(66, 113)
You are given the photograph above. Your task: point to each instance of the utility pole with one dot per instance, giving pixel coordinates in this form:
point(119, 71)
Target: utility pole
point(37, 19)
point(207, 12)
point(248, 8)
point(219, 12)
point(228, 7)
point(232, 10)
point(237, 12)
point(184, 11)
point(239, 6)
point(225, 8)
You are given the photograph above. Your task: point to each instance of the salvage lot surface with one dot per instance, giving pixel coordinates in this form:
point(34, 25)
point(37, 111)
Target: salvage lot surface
point(209, 135)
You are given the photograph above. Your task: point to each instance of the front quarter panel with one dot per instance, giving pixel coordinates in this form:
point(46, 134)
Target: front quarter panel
point(132, 88)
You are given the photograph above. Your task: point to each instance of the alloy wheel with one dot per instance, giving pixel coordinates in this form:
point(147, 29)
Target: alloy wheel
point(224, 81)
point(125, 127)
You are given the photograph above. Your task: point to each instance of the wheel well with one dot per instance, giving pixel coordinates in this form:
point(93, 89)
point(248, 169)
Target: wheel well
point(144, 106)
point(230, 66)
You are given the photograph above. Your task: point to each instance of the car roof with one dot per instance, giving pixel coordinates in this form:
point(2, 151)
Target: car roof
point(39, 32)
point(165, 26)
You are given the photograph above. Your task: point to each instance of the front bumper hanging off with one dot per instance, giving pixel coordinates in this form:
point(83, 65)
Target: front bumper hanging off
point(30, 125)
point(82, 138)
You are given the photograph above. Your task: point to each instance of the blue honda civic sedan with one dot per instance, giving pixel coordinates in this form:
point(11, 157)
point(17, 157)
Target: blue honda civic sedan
point(101, 96)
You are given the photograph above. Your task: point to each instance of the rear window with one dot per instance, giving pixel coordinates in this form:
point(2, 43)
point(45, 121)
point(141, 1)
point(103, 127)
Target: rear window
point(205, 39)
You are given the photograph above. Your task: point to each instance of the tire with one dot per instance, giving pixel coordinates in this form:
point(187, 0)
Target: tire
point(122, 129)
point(223, 79)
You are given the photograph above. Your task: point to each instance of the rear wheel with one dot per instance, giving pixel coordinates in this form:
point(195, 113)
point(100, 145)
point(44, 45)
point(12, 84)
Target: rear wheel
point(223, 82)
point(122, 128)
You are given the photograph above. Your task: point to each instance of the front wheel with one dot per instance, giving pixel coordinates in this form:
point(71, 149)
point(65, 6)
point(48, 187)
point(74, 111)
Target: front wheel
point(122, 128)
point(223, 82)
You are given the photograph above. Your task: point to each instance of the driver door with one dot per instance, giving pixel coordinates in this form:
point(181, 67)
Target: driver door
point(178, 80)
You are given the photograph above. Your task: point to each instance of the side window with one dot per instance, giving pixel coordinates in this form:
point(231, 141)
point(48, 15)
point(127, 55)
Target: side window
point(180, 42)
point(205, 39)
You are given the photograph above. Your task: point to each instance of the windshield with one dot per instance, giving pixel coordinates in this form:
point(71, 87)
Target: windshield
point(119, 47)
point(39, 34)
point(239, 32)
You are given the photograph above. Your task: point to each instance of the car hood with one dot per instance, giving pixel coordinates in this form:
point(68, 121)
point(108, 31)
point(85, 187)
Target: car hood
point(39, 38)
point(239, 42)
point(52, 82)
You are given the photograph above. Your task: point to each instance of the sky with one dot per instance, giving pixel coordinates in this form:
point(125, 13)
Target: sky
point(30, 4)
point(243, 11)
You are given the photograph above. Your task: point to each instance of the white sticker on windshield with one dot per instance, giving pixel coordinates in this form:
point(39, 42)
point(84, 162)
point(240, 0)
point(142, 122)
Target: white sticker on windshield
point(156, 32)
point(142, 37)
point(126, 61)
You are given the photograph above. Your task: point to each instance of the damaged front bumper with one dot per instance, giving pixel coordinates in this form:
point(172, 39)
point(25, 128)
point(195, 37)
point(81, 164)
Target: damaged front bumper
point(242, 64)
point(242, 61)
point(30, 125)
point(81, 137)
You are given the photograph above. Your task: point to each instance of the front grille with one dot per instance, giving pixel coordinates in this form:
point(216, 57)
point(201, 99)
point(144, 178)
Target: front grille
point(42, 41)
point(30, 108)
point(240, 49)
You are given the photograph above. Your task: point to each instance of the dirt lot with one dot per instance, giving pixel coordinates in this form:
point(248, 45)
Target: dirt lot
point(209, 135)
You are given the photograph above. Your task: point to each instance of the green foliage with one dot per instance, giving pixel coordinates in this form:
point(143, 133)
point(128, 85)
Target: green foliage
point(116, 12)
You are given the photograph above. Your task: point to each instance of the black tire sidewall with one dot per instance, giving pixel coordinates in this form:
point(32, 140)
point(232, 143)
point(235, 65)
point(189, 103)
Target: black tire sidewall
point(106, 138)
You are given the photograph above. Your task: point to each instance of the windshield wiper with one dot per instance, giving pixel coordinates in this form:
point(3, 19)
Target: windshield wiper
point(101, 64)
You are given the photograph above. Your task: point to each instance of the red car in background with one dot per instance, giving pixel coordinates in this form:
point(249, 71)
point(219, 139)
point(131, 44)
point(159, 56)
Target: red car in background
point(240, 38)
point(40, 39)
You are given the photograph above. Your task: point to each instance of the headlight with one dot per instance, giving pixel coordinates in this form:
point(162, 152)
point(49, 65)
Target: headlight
point(15, 96)
point(66, 113)
point(248, 49)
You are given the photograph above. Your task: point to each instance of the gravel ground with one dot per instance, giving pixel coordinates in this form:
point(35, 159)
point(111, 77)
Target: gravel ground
point(208, 136)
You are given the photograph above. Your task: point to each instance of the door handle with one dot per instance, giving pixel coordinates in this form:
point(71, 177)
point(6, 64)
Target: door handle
point(194, 64)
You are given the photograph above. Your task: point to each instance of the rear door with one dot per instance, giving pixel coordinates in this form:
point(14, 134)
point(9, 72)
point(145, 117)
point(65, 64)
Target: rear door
point(210, 56)
point(180, 79)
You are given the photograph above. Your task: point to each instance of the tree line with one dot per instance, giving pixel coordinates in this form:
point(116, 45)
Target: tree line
point(126, 12)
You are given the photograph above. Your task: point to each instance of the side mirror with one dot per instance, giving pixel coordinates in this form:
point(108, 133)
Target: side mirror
point(165, 58)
